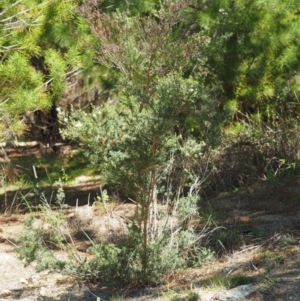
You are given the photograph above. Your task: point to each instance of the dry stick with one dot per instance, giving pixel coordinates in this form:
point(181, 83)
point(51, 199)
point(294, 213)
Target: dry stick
point(34, 171)
point(76, 253)
point(46, 170)
point(132, 200)
point(3, 178)
point(296, 96)
point(50, 201)
point(103, 201)
point(257, 246)
point(155, 214)
point(98, 298)
point(14, 199)
point(11, 242)
point(221, 245)
point(3, 184)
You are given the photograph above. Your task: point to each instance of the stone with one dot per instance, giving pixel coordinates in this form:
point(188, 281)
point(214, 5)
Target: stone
point(238, 293)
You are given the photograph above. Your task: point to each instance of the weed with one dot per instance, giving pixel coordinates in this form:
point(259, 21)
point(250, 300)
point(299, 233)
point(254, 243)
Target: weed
point(102, 200)
point(228, 240)
point(187, 295)
point(111, 265)
point(117, 266)
point(208, 217)
point(271, 260)
point(34, 240)
point(201, 256)
point(286, 240)
point(169, 295)
point(191, 296)
point(271, 176)
point(221, 281)
point(116, 297)
point(64, 176)
point(60, 195)
point(266, 282)
point(256, 234)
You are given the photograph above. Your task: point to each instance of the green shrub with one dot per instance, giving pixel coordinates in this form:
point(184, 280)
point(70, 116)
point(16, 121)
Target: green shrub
point(123, 265)
point(36, 244)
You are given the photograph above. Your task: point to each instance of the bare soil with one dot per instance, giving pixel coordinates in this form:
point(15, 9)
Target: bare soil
point(261, 241)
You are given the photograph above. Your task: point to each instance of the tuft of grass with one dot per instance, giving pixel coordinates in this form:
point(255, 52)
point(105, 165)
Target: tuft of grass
point(266, 283)
point(116, 297)
point(191, 296)
point(208, 217)
point(228, 240)
point(286, 241)
point(187, 295)
point(256, 234)
point(221, 281)
point(168, 295)
point(271, 260)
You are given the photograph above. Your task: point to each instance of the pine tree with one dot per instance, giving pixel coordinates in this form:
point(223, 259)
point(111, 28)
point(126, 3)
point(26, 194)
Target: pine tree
point(41, 43)
point(254, 51)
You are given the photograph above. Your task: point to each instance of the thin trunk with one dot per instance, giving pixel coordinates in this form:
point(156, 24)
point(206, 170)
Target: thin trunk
point(146, 212)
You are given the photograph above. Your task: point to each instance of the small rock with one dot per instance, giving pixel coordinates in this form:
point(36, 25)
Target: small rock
point(60, 279)
point(236, 294)
point(6, 293)
point(44, 292)
point(255, 296)
point(23, 281)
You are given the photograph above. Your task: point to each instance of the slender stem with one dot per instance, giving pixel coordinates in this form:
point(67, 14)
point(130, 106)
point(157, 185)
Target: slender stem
point(147, 208)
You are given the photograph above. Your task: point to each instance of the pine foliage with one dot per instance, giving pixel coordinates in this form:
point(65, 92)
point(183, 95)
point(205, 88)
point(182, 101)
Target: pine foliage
point(41, 42)
point(255, 51)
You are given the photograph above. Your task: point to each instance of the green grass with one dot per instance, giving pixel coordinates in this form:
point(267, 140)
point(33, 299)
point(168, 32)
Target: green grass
point(221, 281)
point(49, 169)
point(187, 295)
point(266, 282)
point(116, 297)
point(271, 260)
point(286, 241)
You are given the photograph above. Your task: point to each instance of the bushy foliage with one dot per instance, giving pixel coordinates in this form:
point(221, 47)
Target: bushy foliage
point(133, 149)
point(161, 90)
point(37, 242)
point(123, 265)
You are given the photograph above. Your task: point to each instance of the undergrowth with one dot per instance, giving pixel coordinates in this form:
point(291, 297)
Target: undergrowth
point(112, 265)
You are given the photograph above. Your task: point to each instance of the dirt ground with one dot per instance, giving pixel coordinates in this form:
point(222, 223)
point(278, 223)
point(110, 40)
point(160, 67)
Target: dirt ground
point(263, 222)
